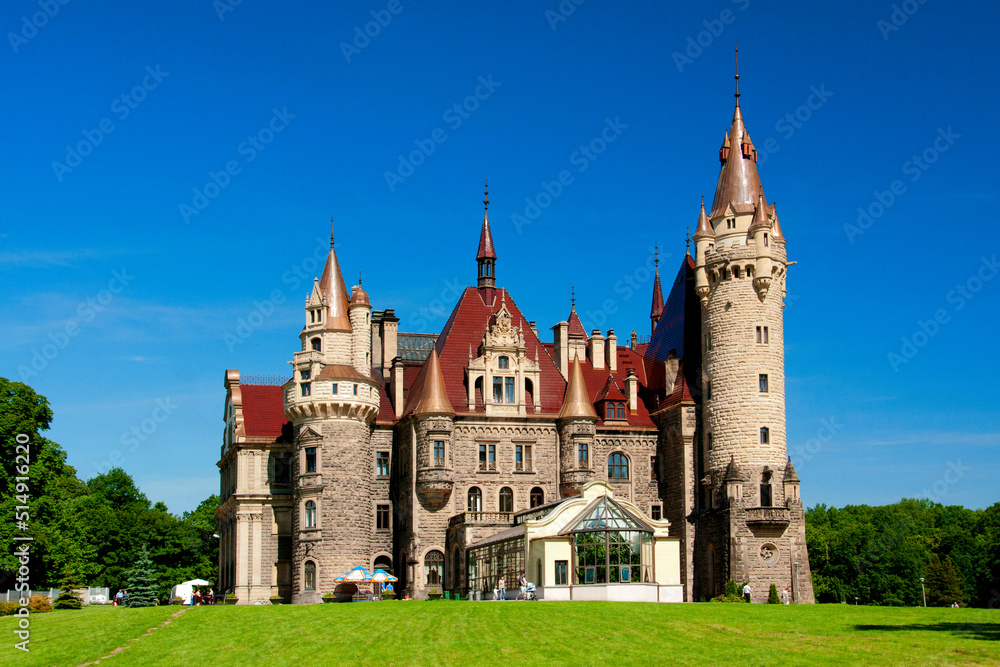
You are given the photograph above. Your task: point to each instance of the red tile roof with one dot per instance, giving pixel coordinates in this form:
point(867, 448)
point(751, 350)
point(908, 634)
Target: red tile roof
point(597, 378)
point(576, 329)
point(610, 392)
point(263, 410)
point(486, 250)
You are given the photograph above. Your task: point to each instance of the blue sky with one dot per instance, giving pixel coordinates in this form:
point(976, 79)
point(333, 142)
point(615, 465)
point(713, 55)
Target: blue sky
point(172, 167)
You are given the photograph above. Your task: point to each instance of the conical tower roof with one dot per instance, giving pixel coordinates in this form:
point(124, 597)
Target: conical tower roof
point(486, 250)
point(656, 308)
point(776, 232)
point(704, 226)
point(433, 396)
point(790, 474)
point(576, 402)
point(335, 289)
point(733, 473)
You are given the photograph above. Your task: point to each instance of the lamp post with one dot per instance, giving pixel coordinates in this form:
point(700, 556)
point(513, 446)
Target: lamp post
point(923, 591)
point(855, 600)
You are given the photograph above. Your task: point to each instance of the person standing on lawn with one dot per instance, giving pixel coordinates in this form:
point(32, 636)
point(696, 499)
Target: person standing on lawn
point(746, 592)
point(502, 588)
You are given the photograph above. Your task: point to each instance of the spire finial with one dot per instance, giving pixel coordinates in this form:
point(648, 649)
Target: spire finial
point(656, 255)
point(737, 74)
point(486, 195)
point(359, 277)
point(687, 238)
point(331, 232)
point(572, 298)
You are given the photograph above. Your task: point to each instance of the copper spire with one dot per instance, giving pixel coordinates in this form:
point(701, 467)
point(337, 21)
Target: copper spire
point(433, 396)
point(335, 290)
point(737, 96)
point(576, 402)
point(704, 229)
point(776, 233)
point(760, 216)
point(739, 183)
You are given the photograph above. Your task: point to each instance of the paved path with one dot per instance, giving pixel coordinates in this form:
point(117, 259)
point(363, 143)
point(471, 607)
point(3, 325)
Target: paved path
point(148, 633)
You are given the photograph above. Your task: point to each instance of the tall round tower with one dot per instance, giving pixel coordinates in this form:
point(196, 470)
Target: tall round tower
point(331, 405)
point(757, 534)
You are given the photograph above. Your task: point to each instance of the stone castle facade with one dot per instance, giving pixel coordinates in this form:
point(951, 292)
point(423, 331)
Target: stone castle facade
point(405, 451)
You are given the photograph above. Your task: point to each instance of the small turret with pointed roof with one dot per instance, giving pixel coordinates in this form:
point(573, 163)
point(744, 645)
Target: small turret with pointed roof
point(433, 396)
point(486, 256)
point(576, 402)
point(576, 329)
point(790, 474)
point(704, 230)
point(656, 309)
point(335, 291)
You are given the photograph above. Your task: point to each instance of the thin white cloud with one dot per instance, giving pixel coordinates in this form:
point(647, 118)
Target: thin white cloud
point(936, 438)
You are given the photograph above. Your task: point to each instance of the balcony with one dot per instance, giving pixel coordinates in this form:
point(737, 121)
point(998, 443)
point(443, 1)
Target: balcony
point(768, 520)
point(482, 519)
point(434, 486)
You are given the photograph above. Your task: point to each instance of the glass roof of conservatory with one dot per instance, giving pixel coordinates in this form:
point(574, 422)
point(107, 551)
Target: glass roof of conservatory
point(605, 514)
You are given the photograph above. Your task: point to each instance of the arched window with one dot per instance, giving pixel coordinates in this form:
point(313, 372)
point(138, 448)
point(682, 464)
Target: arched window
point(610, 411)
point(537, 496)
point(617, 466)
point(310, 514)
point(766, 499)
point(506, 499)
point(503, 363)
point(317, 344)
point(383, 563)
point(475, 499)
point(621, 411)
point(433, 568)
point(309, 576)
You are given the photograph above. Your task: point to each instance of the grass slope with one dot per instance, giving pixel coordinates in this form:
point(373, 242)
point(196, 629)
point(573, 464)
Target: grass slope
point(425, 633)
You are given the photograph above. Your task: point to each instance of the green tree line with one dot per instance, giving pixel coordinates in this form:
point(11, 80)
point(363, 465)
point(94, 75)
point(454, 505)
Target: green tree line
point(879, 554)
point(94, 528)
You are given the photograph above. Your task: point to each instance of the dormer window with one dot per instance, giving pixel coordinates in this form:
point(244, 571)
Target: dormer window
point(614, 410)
point(503, 363)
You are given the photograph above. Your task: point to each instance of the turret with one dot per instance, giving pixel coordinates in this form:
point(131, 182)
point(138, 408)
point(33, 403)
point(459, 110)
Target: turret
point(433, 417)
point(760, 232)
point(361, 330)
point(733, 479)
point(704, 238)
point(577, 422)
point(486, 256)
point(656, 308)
point(791, 484)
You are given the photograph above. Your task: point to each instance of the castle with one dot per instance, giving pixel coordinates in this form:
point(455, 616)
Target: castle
point(653, 471)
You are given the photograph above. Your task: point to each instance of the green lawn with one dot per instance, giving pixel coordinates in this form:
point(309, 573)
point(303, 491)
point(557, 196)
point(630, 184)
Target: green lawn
point(426, 633)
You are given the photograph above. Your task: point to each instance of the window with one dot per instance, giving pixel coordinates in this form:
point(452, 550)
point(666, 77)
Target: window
point(475, 499)
point(305, 375)
point(621, 411)
point(763, 383)
point(309, 575)
point(382, 464)
point(765, 335)
point(439, 453)
point(522, 457)
point(317, 344)
point(498, 390)
point(765, 239)
point(433, 568)
point(765, 435)
point(709, 443)
point(609, 413)
point(766, 500)
point(562, 567)
point(508, 384)
point(617, 466)
point(762, 335)
point(506, 499)
point(282, 471)
point(307, 388)
point(487, 457)
point(312, 315)
point(503, 362)
point(310, 459)
point(537, 497)
point(583, 455)
point(310, 514)
point(736, 272)
point(654, 473)
point(612, 546)
point(708, 390)
point(656, 512)
point(382, 517)
point(355, 390)
point(333, 388)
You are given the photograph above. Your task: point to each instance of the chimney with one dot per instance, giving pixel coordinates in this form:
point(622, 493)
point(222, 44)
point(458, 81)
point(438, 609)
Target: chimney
point(611, 351)
point(632, 390)
point(596, 349)
point(634, 340)
point(390, 327)
point(534, 327)
point(396, 380)
point(561, 337)
point(377, 341)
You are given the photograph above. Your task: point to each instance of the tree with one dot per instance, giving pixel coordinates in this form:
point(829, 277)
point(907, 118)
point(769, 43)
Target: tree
point(944, 584)
point(68, 599)
point(772, 595)
point(142, 582)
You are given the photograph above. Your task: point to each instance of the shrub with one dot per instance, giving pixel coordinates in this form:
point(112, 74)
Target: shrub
point(388, 595)
point(39, 604)
point(68, 599)
point(772, 595)
point(8, 608)
point(731, 588)
point(729, 598)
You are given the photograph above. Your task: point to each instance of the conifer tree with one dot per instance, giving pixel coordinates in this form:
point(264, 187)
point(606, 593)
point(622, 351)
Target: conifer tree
point(772, 595)
point(142, 582)
point(68, 599)
point(944, 584)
